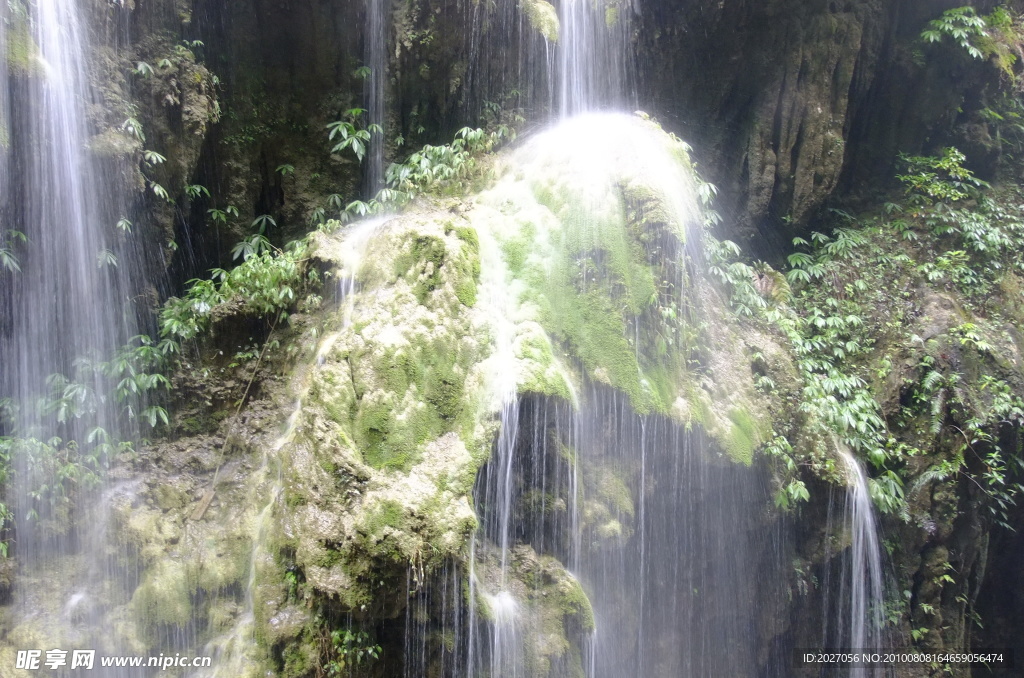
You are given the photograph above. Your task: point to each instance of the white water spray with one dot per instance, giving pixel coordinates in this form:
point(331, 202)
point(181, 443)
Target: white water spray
point(862, 589)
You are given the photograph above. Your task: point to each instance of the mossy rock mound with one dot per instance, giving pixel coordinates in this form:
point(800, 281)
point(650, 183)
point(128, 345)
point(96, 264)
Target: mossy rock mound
point(394, 419)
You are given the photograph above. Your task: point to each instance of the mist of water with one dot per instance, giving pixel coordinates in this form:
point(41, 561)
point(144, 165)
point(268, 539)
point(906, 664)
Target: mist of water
point(64, 310)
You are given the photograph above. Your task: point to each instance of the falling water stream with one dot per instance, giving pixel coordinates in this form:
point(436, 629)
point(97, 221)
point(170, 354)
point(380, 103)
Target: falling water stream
point(376, 60)
point(593, 62)
point(236, 654)
point(641, 513)
point(862, 585)
point(675, 565)
point(64, 309)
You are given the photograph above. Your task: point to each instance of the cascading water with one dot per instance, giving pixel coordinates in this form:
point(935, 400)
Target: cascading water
point(647, 523)
point(65, 308)
point(593, 61)
point(861, 597)
point(615, 538)
point(505, 653)
point(5, 112)
point(376, 60)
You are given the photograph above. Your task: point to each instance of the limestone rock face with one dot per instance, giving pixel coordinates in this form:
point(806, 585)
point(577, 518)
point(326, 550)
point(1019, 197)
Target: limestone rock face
point(779, 92)
point(793, 100)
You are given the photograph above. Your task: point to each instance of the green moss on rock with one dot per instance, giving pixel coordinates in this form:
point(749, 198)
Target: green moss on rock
point(543, 17)
point(743, 437)
point(164, 595)
point(394, 420)
point(22, 52)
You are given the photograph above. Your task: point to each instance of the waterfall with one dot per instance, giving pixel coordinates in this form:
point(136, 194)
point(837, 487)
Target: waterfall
point(5, 111)
point(235, 655)
point(862, 586)
point(496, 490)
point(376, 60)
point(633, 507)
point(65, 308)
point(617, 534)
point(593, 62)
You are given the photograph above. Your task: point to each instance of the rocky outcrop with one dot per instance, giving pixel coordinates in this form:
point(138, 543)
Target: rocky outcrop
point(788, 103)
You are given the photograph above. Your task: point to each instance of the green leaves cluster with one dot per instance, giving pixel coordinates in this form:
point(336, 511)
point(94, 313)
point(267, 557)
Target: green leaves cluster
point(962, 25)
point(438, 169)
point(131, 377)
point(8, 244)
point(350, 135)
point(996, 36)
point(266, 284)
point(847, 323)
point(931, 180)
point(59, 457)
point(832, 333)
point(350, 648)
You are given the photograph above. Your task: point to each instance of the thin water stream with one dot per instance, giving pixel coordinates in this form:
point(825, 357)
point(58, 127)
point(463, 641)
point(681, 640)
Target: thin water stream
point(862, 592)
point(237, 653)
point(376, 60)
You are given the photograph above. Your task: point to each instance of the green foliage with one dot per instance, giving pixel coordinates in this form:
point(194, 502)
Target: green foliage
point(975, 245)
point(349, 649)
point(134, 129)
point(1000, 468)
point(194, 191)
point(161, 192)
point(1005, 118)
point(153, 158)
point(737, 276)
point(8, 258)
point(822, 308)
point(266, 284)
point(995, 37)
point(219, 216)
point(832, 334)
point(263, 223)
point(131, 377)
point(447, 167)
point(251, 246)
point(962, 25)
point(850, 301)
point(143, 69)
point(55, 467)
point(106, 258)
point(6, 516)
point(57, 470)
point(437, 169)
point(792, 490)
point(350, 135)
point(944, 179)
